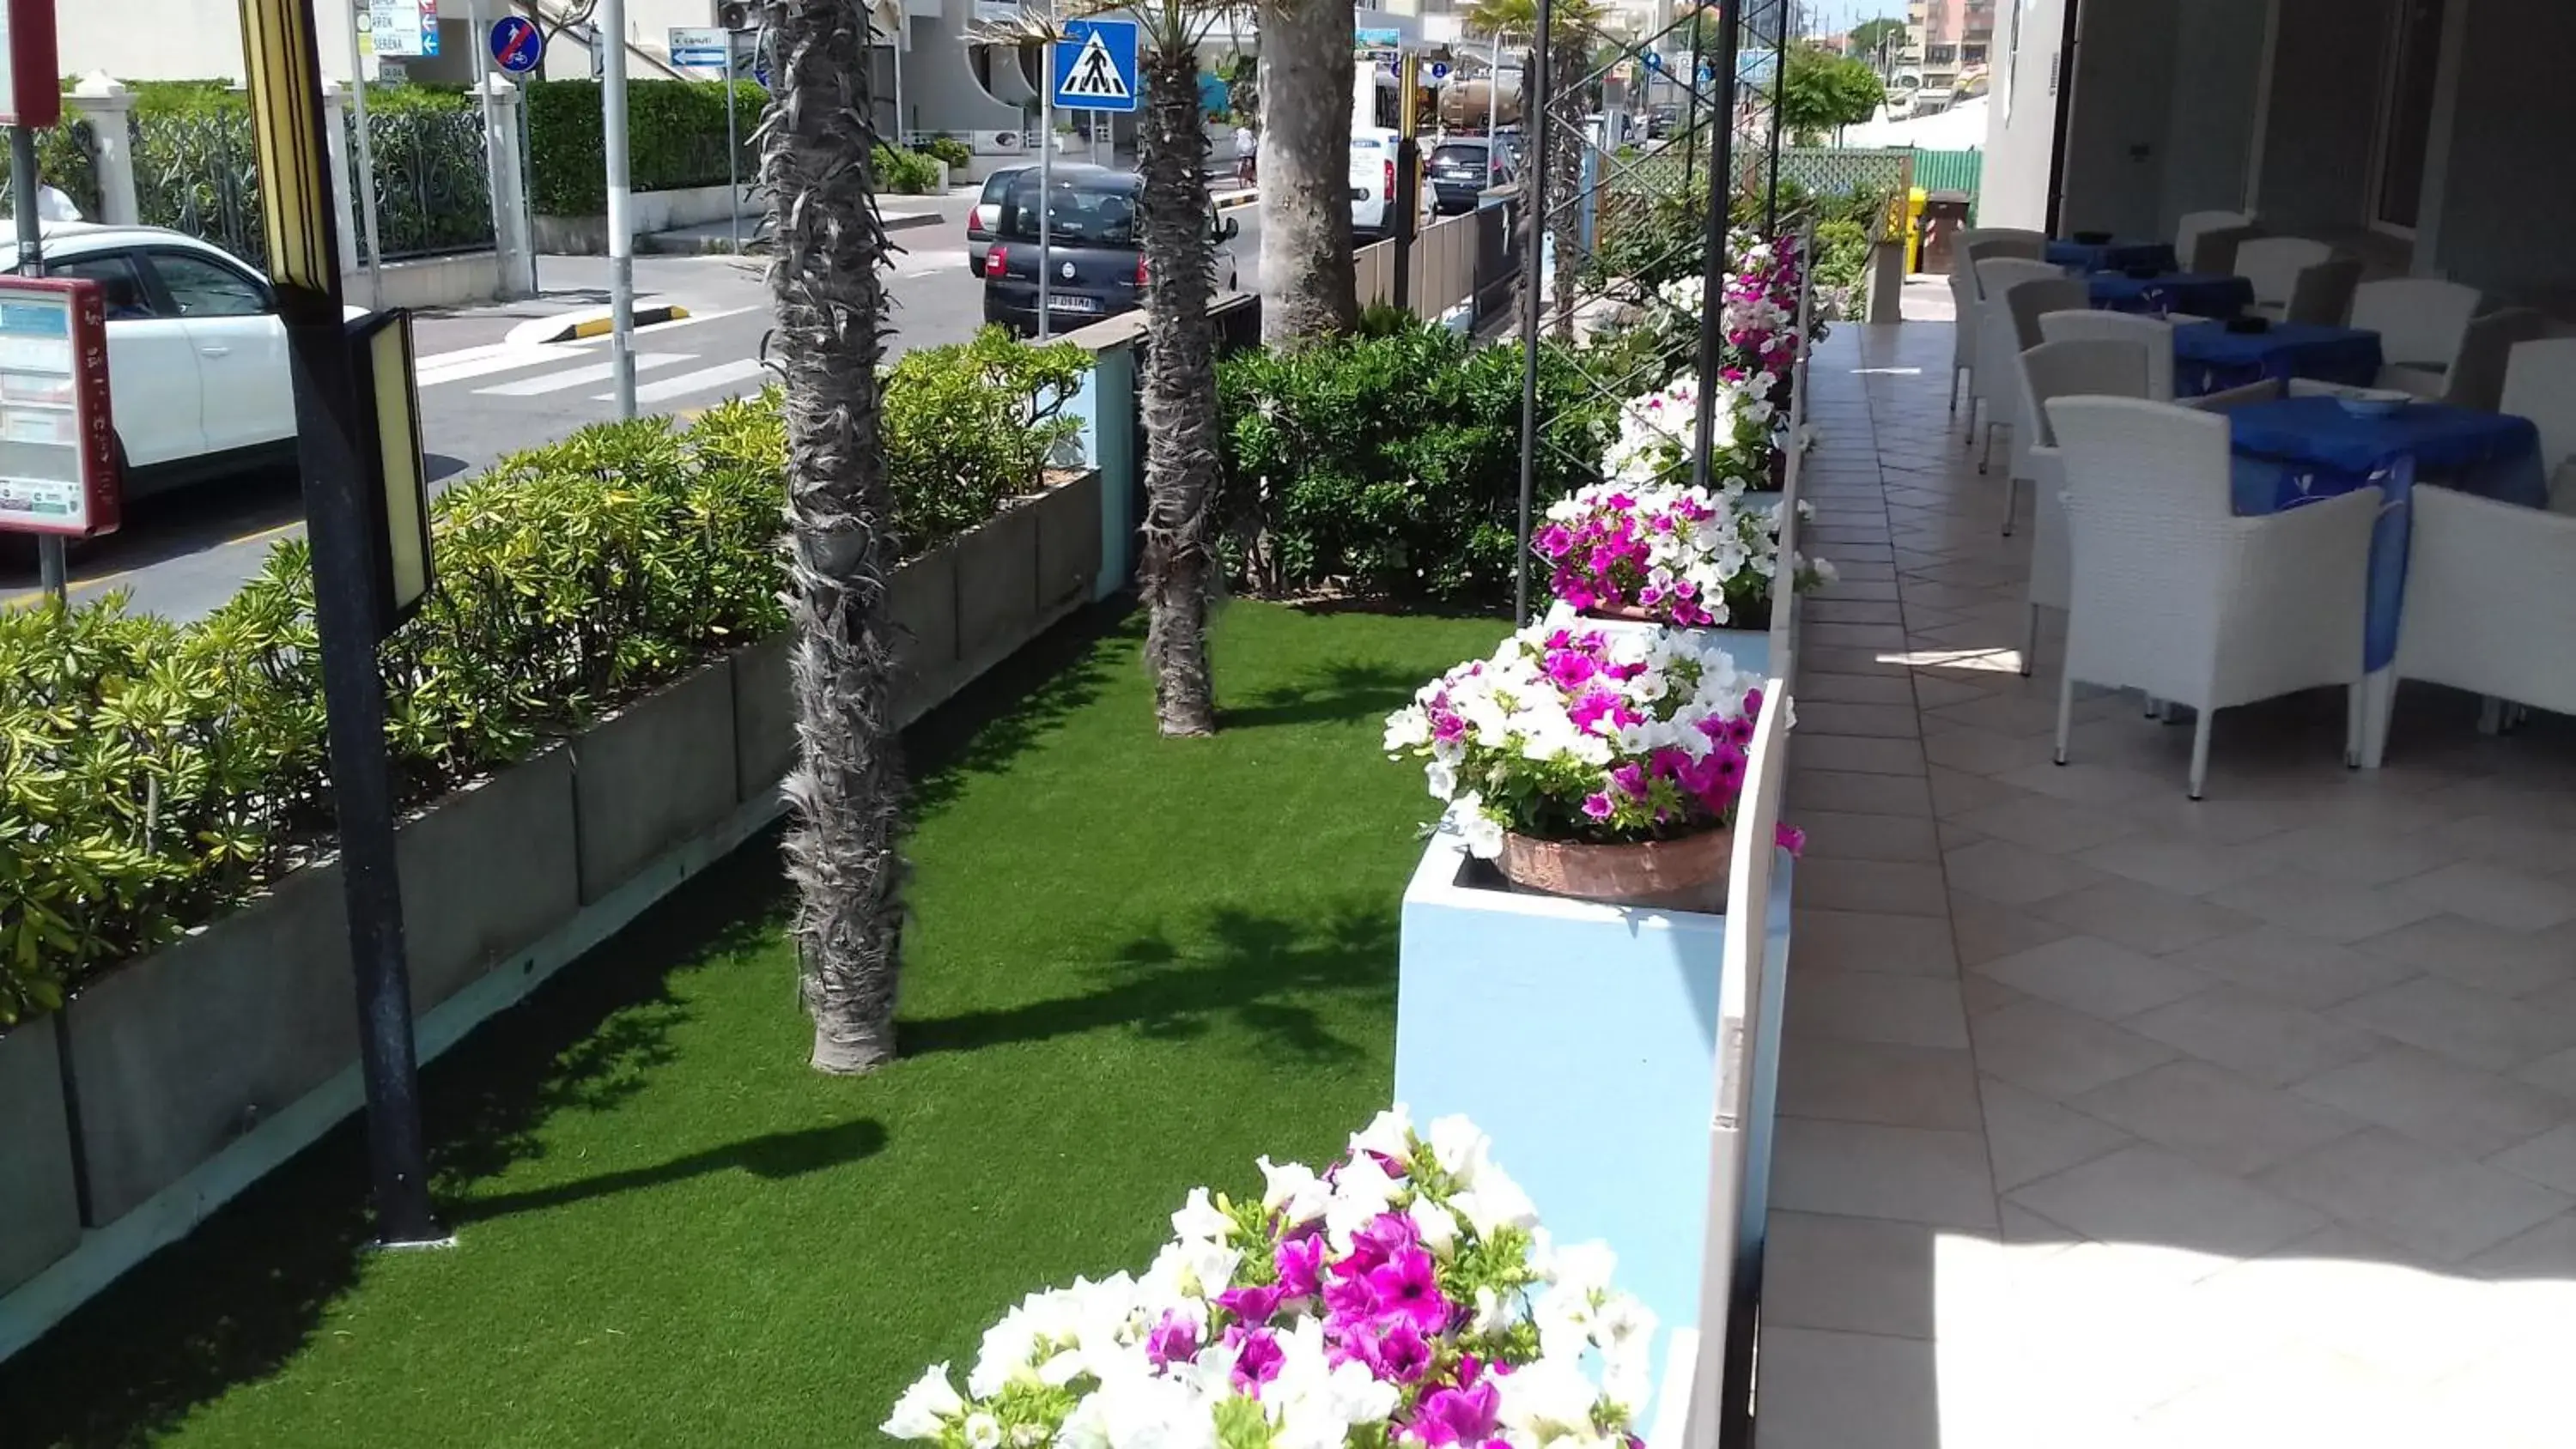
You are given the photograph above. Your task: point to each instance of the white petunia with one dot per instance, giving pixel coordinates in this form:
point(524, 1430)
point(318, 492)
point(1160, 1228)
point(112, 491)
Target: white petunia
point(1389, 1134)
point(983, 1431)
point(1495, 1203)
point(1442, 779)
point(1361, 1191)
point(1437, 1225)
point(925, 1409)
point(1484, 834)
point(1293, 1191)
point(1548, 1398)
point(1459, 1148)
point(1200, 1218)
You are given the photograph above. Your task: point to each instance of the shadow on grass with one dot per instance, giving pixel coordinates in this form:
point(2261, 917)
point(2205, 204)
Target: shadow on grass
point(776, 1158)
point(990, 722)
point(1342, 691)
point(242, 1295)
point(1250, 973)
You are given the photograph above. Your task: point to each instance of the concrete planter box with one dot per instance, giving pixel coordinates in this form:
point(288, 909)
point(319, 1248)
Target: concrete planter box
point(39, 1206)
point(997, 587)
point(922, 603)
point(485, 872)
point(1069, 537)
point(659, 772)
point(764, 717)
point(177, 1054)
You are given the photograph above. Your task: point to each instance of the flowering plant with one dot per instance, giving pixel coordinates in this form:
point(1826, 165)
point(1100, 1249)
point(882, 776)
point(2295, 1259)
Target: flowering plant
point(1405, 1295)
point(1658, 431)
point(1585, 735)
point(1678, 555)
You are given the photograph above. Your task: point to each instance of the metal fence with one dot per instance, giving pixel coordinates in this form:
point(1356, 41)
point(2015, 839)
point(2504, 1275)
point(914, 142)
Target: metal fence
point(1828, 169)
point(198, 172)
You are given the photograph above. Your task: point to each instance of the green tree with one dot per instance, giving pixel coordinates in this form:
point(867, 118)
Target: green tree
point(1823, 90)
point(1575, 28)
point(825, 278)
point(1867, 36)
point(1308, 291)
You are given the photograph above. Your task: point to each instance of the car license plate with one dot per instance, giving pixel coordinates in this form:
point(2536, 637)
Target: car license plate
point(1063, 303)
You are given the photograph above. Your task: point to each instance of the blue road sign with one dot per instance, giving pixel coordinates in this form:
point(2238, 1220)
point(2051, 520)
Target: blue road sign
point(1437, 70)
point(1095, 66)
point(518, 47)
point(1654, 61)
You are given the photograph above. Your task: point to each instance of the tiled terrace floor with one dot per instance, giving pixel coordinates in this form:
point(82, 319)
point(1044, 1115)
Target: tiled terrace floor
point(2113, 1119)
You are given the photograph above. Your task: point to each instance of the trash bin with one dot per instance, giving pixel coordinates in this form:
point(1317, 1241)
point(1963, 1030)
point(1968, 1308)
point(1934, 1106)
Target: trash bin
point(1945, 215)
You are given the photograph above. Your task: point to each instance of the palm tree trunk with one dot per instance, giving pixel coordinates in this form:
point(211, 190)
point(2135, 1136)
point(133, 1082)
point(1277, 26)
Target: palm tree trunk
point(1180, 390)
point(1307, 288)
point(1566, 62)
point(846, 792)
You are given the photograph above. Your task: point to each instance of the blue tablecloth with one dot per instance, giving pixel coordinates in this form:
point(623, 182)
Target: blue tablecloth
point(2112, 256)
point(2208, 358)
point(2202, 294)
point(2300, 450)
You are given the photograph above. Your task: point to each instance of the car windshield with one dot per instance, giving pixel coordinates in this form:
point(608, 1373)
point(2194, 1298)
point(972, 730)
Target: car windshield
point(1466, 156)
point(1090, 213)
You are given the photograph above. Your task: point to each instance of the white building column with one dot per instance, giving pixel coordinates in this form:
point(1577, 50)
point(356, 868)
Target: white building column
point(109, 108)
point(335, 127)
point(510, 222)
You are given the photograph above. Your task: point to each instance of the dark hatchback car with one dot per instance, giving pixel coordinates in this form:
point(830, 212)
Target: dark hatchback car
point(1463, 170)
point(1095, 264)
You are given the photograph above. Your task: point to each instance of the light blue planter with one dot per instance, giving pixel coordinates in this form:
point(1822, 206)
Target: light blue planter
point(1583, 1038)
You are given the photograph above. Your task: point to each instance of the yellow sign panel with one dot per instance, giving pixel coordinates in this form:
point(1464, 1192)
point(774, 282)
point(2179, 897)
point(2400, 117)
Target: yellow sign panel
point(284, 69)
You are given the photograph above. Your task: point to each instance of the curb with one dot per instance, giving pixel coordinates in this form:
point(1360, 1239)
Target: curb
point(584, 325)
point(1232, 200)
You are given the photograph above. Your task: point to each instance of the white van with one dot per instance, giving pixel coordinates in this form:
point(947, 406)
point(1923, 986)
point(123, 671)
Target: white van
point(1373, 151)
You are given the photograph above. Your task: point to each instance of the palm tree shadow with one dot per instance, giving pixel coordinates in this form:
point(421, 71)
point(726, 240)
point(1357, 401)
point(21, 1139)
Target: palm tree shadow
point(777, 1157)
point(1261, 973)
point(1341, 691)
point(993, 720)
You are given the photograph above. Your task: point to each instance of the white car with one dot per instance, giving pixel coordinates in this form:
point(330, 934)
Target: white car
point(1373, 150)
point(196, 353)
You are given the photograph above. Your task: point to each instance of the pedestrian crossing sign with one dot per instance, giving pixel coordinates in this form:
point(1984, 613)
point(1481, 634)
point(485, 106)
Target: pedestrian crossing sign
point(1095, 66)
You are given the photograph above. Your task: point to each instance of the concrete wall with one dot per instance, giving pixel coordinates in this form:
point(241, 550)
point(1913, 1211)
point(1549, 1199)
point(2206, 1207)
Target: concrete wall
point(2022, 121)
point(2209, 125)
point(2323, 113)
point(2124, 81)
point(941, 91)
point(2508, 209)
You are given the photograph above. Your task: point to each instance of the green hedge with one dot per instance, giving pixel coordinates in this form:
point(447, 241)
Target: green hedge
point(675, 137)
point(155, 776)
point(1390, 465)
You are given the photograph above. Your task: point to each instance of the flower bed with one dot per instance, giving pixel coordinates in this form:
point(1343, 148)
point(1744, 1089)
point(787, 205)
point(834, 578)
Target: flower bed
point(1404, 1295)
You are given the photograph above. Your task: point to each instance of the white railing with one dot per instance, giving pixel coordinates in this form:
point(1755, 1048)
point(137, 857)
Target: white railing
point(1442, 268)
point(1784, 610)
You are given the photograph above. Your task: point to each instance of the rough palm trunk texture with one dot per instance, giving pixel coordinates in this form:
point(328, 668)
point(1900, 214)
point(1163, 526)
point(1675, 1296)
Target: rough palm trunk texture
point(846, 791)
point(1307, 287)
point(1180, 392)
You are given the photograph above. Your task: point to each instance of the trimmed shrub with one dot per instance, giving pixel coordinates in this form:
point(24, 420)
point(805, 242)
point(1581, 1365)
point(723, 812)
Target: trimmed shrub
point(908, 173)
point(956, 153)
point(153, 777)
point(675, 138)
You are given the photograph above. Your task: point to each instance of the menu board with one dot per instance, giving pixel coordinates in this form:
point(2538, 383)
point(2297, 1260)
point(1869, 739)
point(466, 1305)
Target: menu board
point(57, 439)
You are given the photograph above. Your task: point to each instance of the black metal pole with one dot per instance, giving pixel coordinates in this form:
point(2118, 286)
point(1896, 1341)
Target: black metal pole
point(1779, 92)
point(1534, 270)
point(346, 614)
point(1690, 101)
point(1721, 191)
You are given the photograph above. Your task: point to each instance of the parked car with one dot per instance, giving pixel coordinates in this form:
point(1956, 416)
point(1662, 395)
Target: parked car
point(196, 354)
point(1463, 170)
point(1096, 263)
point(1373, 151)
point(987, 211)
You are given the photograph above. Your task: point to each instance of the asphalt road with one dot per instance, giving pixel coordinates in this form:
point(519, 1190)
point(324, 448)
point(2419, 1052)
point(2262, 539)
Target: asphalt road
point(484, 397)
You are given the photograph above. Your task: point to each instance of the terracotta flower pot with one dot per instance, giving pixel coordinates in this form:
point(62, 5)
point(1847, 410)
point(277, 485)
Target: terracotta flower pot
point(1688, 873)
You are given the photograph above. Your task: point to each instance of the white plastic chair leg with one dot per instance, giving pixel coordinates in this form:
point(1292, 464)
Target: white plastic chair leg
point(2012, 500)
point(1955, 374)
point(2356, 713)
point(2200, 751)
point(1986, 459)
point(2030, 644)
point(2378, 701)
point(2065, 713)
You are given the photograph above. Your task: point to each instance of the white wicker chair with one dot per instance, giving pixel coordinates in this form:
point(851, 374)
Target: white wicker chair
point(2214, 251)
point(2476, 380)
point(2155, 334)
point(2084, 367)
point(1965, 294)
point(2005, 241)
point(2322, 294)
point(2490, 604)
point(2177, 596)
point(2540, 384)
point(2188, 231)
point(2252, 394)
point(2421, 322)
point(1998, 338)
point(2273, 264)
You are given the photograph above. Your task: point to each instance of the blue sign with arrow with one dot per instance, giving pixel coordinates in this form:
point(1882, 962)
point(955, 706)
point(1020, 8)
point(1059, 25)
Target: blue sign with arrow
point(1095, 66)
point(518, 47)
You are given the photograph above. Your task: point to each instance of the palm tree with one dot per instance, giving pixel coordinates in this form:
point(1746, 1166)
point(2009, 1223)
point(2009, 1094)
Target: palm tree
point(1177, 567)
point(1307, 287)
point(816, 149)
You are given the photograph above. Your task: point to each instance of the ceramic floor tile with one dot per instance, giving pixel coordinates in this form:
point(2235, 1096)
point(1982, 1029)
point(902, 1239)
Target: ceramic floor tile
point(2084, 783)
point(1908, 1174)
point(2476, 955)
point(2215, 1117)
point(2555, 1073)
point(2445, 1208)
point(2292, 968)
point(2057, 1053)
point(1894, 1086)
point(1983, 752)
point(2142, 917)
point(2259, 1039)
point(2439, 1102)
point(1816, 686)
point(1859, 754)
point(2044, 824)
point(1807, 1398)
point(2185, 867)
point(1874, 1007)
point(1985, 931)
point(2029, 1137)
point(2472, 1027)
point(1956, 792)
point(1877, 721)
point(2549, 1159)
point(1817, 789)
point(1839, 835)
point(2011, 875)
point(1874, 941)
point(2503, 898)
point(1855, 1275)
point(2364, 858)
point(2546, 1252)
point(2326, 909)
point(1874, 885)
point(2146, 1194)
point(2096, 977)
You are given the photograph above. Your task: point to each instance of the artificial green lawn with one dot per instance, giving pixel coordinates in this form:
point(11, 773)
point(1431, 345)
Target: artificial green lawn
point(1133, 966)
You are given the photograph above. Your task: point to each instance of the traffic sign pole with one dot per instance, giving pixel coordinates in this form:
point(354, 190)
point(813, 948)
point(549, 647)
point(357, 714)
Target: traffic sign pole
point(1046, 198)
point(733, 149)
point(27, 194)
point(621, 220)
point(366, 167)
